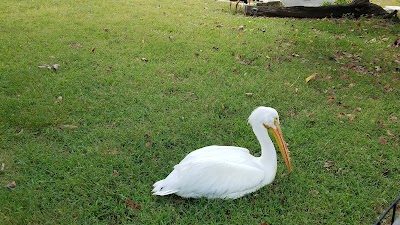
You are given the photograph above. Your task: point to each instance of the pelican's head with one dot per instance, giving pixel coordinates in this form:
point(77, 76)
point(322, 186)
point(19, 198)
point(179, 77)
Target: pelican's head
point(269, 118)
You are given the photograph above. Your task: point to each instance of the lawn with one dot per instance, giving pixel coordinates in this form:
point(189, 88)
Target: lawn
point(140, 84)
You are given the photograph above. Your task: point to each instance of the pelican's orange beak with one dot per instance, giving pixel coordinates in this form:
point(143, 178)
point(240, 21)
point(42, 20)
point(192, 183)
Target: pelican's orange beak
point(281, 143)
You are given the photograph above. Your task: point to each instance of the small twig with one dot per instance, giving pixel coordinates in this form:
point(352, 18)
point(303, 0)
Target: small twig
point(294, 81)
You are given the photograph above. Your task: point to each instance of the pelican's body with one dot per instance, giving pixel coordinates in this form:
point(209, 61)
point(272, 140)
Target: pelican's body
point(228, 171)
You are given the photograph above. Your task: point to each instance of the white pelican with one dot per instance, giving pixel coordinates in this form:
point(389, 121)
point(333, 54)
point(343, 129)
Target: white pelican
point(229, 171)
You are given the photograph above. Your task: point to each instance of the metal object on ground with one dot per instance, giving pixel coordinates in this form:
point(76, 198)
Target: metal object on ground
point(391, 207)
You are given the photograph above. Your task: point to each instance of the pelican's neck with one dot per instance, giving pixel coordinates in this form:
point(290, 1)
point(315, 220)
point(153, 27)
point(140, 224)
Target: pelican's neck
point(268, 153)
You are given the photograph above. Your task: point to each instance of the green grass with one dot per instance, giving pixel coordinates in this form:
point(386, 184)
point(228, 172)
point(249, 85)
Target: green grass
point(386, 2)
point(140, 118)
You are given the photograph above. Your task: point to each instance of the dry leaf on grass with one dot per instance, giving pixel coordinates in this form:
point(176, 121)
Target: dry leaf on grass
point(388, 87)
point(380, 123)
point(390, 133)
point(351, 116)
point(115, 173)
point(293, 112)
point(67, 126)
point(11, 185)
point(383, 140)
point(113, 152)
point(330, 99)
point(129, 203)
point(76, 45)
point(53, 67)
point(148, 140)
point(314, 192)
point(59, 99)
point(340, 115)
point(329, 164)
point(311, 77)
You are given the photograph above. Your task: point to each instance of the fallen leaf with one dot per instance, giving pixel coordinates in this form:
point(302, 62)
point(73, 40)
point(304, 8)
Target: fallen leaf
point(385, 39)
point(53, 67)
point(11, 185)
point(75, 45)
point(311, 77)
point(292, 112)
point(59, 99)
point(383, 140)
point(329, 164)
point(314, 192)
point(351, 116)
point(66, 126)
point(373, 40)
point(330, 99)
point(138, 206)
point(340, 115)
point(129, 203)
point(148, 141)
point(390, 133)
point(249, 94)
point(380, 123)
point(113, 152)
point(115, 173)
point(388, 87)
point(393, 118)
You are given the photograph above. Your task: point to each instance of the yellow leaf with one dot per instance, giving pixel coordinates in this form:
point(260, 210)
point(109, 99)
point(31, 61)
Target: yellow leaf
point(311, 77)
